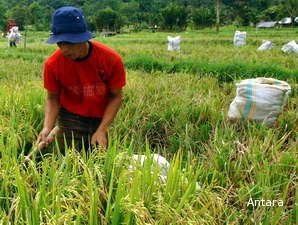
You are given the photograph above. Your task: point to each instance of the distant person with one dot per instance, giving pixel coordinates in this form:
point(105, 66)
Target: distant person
point(13, 36)
point(84, 81)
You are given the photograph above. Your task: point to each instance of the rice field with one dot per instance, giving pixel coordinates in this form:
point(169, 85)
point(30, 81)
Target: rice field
point(176, 105)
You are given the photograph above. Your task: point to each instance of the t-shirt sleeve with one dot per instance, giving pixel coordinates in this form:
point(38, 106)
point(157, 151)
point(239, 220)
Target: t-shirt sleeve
point(118, 76)
point(49, 78)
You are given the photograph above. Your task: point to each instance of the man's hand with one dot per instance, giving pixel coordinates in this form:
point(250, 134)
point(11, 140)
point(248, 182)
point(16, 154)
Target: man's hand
point(52, 107)
point(100, 139)
point(42, 137)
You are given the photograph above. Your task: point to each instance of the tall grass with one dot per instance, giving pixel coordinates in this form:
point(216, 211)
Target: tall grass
point(225, 72)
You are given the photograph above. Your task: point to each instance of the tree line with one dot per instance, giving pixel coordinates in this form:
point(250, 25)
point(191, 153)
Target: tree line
point(138, 14)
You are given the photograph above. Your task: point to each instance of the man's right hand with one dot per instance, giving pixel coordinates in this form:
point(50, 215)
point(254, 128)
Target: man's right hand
point(43, 136)
point(52, 107)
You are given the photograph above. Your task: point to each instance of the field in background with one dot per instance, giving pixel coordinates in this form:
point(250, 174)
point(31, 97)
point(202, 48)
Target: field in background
point(202, 52)
point(175, 104)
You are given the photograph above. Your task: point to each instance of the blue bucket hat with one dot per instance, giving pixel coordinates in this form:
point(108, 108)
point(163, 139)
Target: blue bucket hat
point(69, 25)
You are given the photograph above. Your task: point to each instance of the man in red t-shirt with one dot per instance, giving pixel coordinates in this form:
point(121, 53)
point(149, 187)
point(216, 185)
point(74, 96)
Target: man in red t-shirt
point(84, 81)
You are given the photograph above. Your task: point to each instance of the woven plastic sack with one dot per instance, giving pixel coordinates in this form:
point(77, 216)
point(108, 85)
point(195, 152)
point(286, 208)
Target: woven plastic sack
point(260, 99)
point(174, 43)
point(239, 38)
point(266, 45)
point(290, 47)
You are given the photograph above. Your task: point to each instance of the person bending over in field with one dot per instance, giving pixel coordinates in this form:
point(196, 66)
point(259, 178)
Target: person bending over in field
point(84, 81)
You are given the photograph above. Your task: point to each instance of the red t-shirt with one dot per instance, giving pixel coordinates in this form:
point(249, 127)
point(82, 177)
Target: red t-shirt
point(83, 86)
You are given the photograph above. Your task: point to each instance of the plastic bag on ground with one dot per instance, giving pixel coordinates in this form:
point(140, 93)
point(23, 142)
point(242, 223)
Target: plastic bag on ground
point(261, 99)
point(291, 47)
point(174, 43)
point(158, 160)
point(239, 38)
point(266, 45)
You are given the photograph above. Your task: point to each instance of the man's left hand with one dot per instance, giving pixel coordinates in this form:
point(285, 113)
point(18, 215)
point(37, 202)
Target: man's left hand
point(100, 139)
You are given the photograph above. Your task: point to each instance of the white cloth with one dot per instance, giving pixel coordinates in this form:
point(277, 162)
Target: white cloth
point(239, 38)
point(291, 47)
point(158, 160)
point(260, 99)
point(266, 45)
point(14, 35)
point(174, 43)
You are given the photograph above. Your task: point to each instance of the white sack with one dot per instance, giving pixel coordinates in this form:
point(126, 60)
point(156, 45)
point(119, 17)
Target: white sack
point(260, 99)
point(174, 43)
point(266, 45)
point(239, 38)
point(290, 47)
point(158, 160)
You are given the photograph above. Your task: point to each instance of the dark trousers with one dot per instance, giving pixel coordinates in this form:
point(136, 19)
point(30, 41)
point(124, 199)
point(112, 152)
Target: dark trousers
point(75, 130)
point(12, 44)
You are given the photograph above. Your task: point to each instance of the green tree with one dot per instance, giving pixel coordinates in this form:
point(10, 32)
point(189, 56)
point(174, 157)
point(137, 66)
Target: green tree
point(169, 14)
point(130, 10)
point(55, 4)
point(20, 14)
point(202, 17)
point(113, 4)
point(275, 13)
point(39, 16)
point(291, 7)
point(108, 19)
point(174, 17)
point(145, 5)
point(2, 17)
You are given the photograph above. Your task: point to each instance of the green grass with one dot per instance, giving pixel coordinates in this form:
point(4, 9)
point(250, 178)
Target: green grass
point(175, 105)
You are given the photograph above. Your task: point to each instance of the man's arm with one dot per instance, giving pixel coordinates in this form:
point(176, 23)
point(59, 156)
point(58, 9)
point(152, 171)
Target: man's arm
point(52, 107)
point(115, 99)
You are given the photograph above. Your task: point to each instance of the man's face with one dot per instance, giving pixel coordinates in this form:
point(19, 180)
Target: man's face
point(72, 51)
